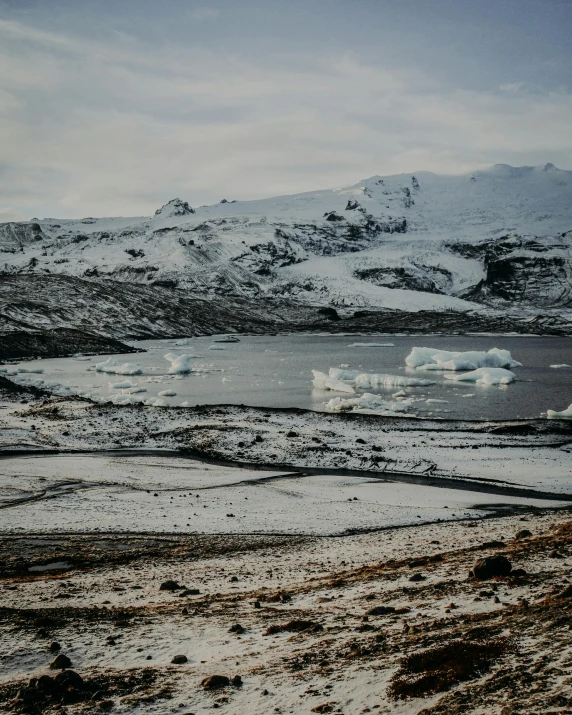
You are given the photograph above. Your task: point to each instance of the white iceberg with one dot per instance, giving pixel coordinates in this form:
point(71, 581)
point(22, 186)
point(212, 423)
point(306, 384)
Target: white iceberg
point(111, 366)
point(369, 381)
point(167, 393)
point(322, 381)
point(565, 414)
point(37, 371)
point(563, 364)
point(367, 403)
point(432, 359)
point(180, 364)
point(123, 385)
point(486, 376)
point(216, 347)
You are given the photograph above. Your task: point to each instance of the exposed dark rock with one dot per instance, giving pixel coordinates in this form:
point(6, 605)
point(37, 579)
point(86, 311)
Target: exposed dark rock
point(491, 566)
point(213, 682)
point(179, 659)
point(61, 661)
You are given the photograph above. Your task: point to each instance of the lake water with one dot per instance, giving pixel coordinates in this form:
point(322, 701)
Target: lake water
point(275, 371)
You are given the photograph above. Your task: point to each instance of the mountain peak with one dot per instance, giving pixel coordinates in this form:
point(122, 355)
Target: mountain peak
point(175, 207)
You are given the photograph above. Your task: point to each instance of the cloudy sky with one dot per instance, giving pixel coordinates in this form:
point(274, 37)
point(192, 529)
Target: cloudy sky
point(112, 107)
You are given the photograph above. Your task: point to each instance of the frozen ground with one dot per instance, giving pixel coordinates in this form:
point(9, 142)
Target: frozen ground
point(169, 494)
point(309, 625)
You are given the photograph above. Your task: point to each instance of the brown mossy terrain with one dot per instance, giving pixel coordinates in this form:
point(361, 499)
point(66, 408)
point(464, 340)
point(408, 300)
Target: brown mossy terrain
point(309, 625)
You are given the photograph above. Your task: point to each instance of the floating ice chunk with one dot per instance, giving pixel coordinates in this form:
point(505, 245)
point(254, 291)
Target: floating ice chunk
point(368, 381)
point(160, 403)
point(325, 382)
point(368, 403)
point(183, 341)
point(123, 385)
point(37, 371)
point(469, 394)
point(226, 339)
point(185, 404)
point(561, 365)
point(81, 357)
point(339, 374)
point(111, 366)
point(371, 345)
point(180, 364)
point(125, 400)
point(135, 389)
point(216, 347)
point(434, 399)
point(432, 359)
point(486, 376)
point(167, 393)
point(566, 414)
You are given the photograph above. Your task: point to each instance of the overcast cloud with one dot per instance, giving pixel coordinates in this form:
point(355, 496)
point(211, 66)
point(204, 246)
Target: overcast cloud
point(112, 108)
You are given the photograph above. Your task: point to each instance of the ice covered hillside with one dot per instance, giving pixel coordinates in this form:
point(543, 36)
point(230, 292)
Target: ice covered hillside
point(499, 237)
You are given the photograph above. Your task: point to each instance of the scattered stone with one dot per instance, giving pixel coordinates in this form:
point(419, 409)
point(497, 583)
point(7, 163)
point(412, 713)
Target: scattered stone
point(523, 534)
point(179, 659)
point(296, 626)
point(55, 647)
point(189, 592)
point(169, 586)
point(60, 662)
point(292, 434)
point(491, 566)
point(212, 682)
point(380, 610)
point(237, 628)
point(417, 577)
point(237, 681)
point(233, 579)
point(69, 678)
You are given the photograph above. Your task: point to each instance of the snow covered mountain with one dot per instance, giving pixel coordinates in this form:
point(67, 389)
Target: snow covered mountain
point(499, 237)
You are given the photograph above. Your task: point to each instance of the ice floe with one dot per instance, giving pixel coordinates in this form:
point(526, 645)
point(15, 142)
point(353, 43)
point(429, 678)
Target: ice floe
point(432, 359)
point(367, 381)
point(180, 364)
point(565, 414)
point(167, 393)
point(485, 376)
point(367, 403)
point(561, 365)
point(111, 366)
point(322, 381)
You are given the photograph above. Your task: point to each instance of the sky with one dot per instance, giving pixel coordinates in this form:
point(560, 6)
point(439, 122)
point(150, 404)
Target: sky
point(113, 107)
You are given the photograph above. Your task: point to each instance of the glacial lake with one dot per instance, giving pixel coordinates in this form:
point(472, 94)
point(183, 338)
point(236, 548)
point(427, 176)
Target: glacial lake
point(275, 371)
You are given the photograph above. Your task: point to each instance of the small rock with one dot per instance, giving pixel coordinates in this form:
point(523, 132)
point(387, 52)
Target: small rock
point(523, 534)
point(185, 612)
point(237, 628)
point(233, 579)
point(60, 662)
point(491, 566)
point(237, 681)
point(69, 678)
point(106, 705)
point(292, 434)
point(55, 647)
point(179, 659)
point(380, 610)
point(212, 682)
point(417, 577)
point(257, 604)
point(169, 586)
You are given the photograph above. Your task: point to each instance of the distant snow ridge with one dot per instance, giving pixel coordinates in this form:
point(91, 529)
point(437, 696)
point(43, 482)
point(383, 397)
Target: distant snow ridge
point(175, 207)
point(432, 359)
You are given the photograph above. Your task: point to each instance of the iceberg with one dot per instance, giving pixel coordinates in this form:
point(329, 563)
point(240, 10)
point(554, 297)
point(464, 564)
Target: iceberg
point(562, 364)
point(374, 380)
point(180, 364)
point(486, 376)
point(167, 393)
point(432, 359)
point(123, 385)
point(111, 366)
point(322, 381)
point(367, 403)
point(565, 414)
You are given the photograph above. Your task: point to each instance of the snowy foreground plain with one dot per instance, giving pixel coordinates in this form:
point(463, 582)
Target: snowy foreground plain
point(279, 530)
